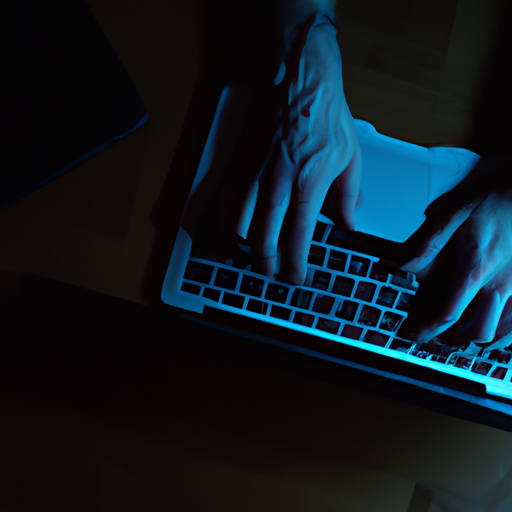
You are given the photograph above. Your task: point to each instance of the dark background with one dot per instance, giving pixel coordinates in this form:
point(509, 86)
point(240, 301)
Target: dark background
point(108, 404)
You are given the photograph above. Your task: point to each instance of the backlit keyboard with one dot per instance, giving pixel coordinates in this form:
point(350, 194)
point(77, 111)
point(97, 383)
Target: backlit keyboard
point(347, 295)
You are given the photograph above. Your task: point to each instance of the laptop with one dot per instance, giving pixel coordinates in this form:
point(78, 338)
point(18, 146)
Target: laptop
point(69, 94)
point(354, 298)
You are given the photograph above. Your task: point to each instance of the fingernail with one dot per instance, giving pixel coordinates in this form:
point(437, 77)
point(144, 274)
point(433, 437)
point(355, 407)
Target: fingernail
point(296, 280)
point(423, 337)
point(412, 265)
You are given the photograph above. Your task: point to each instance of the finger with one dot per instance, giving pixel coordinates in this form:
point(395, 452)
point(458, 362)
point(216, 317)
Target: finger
point(347, 193)
point(247, 212)
point(434, 234)
point(445, 295)
point(480, 320)
point(505, 325)
point(500, 343)
point(486, 324)
point(449, 317)
point(503, 336)
point(305, 215)
point(272, 205)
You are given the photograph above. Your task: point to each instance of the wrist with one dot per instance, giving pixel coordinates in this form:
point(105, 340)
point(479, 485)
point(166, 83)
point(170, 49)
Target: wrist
point(297, 17)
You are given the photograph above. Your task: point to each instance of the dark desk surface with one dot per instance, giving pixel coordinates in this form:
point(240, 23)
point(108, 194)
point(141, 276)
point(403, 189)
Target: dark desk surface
point(106, 405)
point(109, 405)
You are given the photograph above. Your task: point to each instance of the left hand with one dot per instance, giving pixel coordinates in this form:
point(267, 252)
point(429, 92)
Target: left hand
point(464, 257)
point(315, 146)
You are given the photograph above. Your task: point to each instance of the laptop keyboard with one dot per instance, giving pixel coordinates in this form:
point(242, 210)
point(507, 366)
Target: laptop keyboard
point(346, 294)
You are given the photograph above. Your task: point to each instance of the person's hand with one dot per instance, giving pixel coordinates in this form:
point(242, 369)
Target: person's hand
point(464, 259)
point(314, 148)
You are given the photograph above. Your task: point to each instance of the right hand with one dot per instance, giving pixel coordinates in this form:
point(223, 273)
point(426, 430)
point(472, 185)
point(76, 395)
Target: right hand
point(464, 256)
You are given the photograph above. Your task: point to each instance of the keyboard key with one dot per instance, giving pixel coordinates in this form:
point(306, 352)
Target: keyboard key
point(401, 345)
point(462, 362)
point(369, 316)
point(381, 270)
point(404, 302)
point(376, 338)
point(498, 355)
point(422, 354)
point(303, 319)
point(499, 373)
point(343, 286)
point(352, 332)
point(337, 260)
point(347, 310)
point(391, 322)
point(257, 306)
point(226, 279)
point(482, 367)
point(302, 298)
point(365, 291)
point(404, 279)
point(277, 292)
point(323, 304)
point(320, 228)
point(211, 294)
point(191, 288)
point(504, 357)
point(316, 255)
point(436, 347)
point(280, 312)
point(251, 286)
point(326, 325)
point(198, 272)
point(358, 266)
point(336, 237)
point(230, 299)
point(321, 280)
point(387, 296)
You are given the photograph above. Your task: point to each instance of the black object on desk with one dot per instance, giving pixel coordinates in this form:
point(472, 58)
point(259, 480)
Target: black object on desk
point(65, 93)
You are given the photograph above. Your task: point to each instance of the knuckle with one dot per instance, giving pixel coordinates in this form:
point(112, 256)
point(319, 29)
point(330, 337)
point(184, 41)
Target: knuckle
point(433, 246)
point(449, 319)
point(275, 202)
point(466, 210)
point(303, 184)
point(477, 271)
